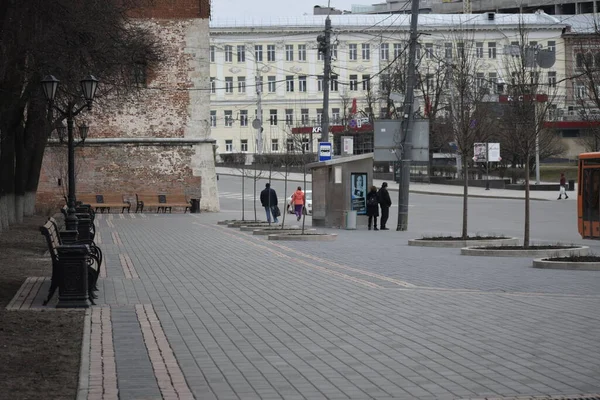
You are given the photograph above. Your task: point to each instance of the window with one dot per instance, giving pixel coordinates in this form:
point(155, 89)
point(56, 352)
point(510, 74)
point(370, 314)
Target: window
point(271, 84)
point(320, 83)
point(492, 49)
point(579, 60)
point(289, 83)
point(533, 44)
point(333, 51)
point(228, 54)
point(353, 82)
point(552, 79)
point(385, 51)
point(241, 84)
point(366, 51)
point(228, 118)
point(271, 52)
point(258, 55)
point(352, 52)
point(301, 52)
point(493, 82)
point(212, 54)
point(397, 50)
point(274, 144)
point(302, 83)
point(335, 115)
point(213, 118)
point(429, 81)
point(551, 45)
point(229, 146)
point(273, 117)
point(229, 84)
point(243, 117)
point(428, 50)
point(479, 81)
point(241, 54)
point(333, 83)
point(319, 116)
point(460, 50)
point(290, 144)
point(305, 144)
point(366, 82)
point(289, 52)
point(479, 49)
point(384, 82)
point(213, 85)
point(418, 51)
point(448, 50)
point(289, 116)
point(581, 91)
point(244, 145)
point(304, 117)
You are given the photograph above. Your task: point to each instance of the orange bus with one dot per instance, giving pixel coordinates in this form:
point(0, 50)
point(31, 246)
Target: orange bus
point(588, 199)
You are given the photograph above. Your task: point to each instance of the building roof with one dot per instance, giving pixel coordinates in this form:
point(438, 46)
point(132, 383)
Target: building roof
point(378, 22)
point(580, 23)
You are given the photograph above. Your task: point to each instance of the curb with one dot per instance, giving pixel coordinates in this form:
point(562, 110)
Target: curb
point(570, 251)
point(321, 237)
point(423, 192)
point(84, 363)
point(512, 241)
point(567, 265)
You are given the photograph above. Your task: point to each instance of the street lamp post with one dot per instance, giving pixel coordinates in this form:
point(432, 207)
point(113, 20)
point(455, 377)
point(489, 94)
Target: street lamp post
point(88, 87)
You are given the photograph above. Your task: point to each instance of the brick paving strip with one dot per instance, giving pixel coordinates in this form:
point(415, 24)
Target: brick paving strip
point(27, 293)
point(128, 268)
point(98, 238)
point(102, 376)
point(169, 376)
point(109, 223)
point(116, 239)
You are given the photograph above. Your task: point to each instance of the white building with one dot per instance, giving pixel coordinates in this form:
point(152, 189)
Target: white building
point(282, 54)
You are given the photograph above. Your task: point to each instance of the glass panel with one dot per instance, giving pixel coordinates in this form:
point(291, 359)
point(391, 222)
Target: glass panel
point(591, 194)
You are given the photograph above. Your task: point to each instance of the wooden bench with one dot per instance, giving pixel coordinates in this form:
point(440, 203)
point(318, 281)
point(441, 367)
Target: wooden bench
point(54, 239)
point(104, 202)
point(169, 201)
point(91, 200)
point(146, 200)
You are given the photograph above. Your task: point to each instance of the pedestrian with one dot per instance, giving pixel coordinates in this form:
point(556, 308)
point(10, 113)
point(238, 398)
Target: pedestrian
point(298, 202)
point(385, 202)
point(268, 199)
point(373, 207)
point(563, 186)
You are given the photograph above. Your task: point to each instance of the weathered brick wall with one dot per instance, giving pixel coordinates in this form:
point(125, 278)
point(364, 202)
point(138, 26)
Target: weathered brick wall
point(173, 9)
point(175, 104)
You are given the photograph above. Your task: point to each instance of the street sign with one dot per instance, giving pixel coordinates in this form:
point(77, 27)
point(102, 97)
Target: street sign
point(324, 151)
point(256, 123)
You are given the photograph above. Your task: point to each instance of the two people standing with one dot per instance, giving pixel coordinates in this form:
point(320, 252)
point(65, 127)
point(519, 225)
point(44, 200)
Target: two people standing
point(268, 199)
point(376, 199)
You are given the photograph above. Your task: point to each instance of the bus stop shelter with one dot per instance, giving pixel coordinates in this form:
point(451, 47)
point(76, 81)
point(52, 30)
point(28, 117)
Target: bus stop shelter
point(339, 190)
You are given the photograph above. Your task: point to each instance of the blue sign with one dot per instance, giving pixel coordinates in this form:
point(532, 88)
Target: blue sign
point(325, 150)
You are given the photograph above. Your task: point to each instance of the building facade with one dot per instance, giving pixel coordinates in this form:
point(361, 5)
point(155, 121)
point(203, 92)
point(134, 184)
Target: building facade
point(159, 140)
point(278, 63)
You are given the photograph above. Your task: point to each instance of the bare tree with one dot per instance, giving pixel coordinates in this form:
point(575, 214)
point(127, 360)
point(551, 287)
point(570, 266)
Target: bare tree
point(530, 100)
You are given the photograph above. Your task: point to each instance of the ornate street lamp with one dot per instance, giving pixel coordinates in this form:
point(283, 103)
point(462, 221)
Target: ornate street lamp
point(88, 86)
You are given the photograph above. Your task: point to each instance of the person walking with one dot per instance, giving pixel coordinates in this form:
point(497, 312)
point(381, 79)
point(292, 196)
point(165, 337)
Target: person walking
point(268, 199)
point(298, 202)
point(563, 186)
point(385, 202)
point(373, 207)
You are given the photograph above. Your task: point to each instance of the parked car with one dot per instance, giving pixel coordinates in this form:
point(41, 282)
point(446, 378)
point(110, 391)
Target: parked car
point(307, 206)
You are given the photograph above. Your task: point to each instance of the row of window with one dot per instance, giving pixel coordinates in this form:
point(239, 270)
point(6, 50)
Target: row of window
point(291, 145)
point(299, 51)
point(290, 83)
point(304, 120)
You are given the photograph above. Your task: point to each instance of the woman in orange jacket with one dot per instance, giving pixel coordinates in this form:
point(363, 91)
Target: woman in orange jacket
point(298, 202)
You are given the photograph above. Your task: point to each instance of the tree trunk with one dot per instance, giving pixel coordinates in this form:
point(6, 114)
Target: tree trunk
point(4, 213)
point(526, 234)
point(304, 206)
point(7, 176)
point(29, 204)
point(254, 179)
point(243, 192)
point(285, 205)
point(465, 199)
point(36, 147)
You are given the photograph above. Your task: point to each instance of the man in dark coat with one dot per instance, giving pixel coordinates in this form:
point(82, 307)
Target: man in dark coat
point(385, 202)
point(268, 199)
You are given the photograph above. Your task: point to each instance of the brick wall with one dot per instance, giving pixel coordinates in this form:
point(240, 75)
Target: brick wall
point(175, 9)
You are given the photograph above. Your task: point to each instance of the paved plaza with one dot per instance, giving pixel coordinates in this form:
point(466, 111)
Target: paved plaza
point(191, 309)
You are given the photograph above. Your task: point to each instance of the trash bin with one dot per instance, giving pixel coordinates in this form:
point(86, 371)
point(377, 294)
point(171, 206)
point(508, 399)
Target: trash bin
point(571, 185)
point(350, 219)
point(195, 208)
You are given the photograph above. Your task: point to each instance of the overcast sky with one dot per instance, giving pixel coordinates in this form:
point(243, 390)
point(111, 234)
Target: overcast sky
point(239, 9)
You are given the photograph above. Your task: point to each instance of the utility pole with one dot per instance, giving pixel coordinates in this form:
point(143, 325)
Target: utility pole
point(259, 135)
point(324, 41)
point(407, 122)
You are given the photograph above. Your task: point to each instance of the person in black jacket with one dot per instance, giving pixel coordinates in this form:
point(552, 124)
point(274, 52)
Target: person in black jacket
point(373, 207)
point(268, 199)
point(385, 202)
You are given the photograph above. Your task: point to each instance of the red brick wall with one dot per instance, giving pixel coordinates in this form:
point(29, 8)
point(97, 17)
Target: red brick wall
point(175, 9)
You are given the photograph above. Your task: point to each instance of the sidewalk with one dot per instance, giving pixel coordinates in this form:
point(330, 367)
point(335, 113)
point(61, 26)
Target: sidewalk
point(429, 188)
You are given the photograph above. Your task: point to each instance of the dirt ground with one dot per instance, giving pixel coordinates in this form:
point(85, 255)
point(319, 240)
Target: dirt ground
point(39, 350)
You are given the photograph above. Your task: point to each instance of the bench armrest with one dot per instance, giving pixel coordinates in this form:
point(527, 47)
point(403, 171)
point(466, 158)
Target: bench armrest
point(68, 237)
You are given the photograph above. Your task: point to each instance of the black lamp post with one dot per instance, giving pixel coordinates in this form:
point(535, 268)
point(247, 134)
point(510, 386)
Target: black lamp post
point(88, 87)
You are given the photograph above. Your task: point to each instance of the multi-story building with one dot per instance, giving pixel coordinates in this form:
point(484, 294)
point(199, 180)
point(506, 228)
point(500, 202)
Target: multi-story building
point(280, 60)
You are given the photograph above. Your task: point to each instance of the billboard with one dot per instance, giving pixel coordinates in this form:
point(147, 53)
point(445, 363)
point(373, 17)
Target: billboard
point(358, 196)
